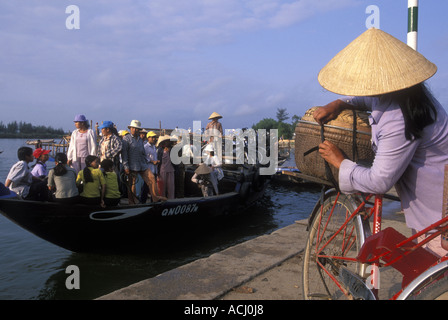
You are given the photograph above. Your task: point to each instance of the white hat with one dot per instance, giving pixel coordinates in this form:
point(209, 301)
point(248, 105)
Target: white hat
point(163, 138)
point(135, 124)
point(209, 148)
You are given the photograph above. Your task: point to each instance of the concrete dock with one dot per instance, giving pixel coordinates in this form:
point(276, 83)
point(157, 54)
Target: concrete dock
point(265, 268)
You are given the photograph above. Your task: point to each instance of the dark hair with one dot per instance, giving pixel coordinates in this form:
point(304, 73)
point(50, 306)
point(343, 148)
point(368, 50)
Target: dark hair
point(85, 123)
point(418, 107)
point(86, 171)
point(113, 130)
point(107, 165)
point(61, 161)
point(166, 144)
point(23, 152)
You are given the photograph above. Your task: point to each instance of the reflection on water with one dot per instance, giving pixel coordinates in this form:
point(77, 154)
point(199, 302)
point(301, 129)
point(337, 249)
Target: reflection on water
point(31, 268)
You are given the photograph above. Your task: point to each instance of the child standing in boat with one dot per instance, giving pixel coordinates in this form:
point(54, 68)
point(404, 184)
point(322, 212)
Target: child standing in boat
point(93, 183)
point(112, 195)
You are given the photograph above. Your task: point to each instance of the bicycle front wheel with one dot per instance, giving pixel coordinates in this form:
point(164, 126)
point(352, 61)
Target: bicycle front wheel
point(334, 240)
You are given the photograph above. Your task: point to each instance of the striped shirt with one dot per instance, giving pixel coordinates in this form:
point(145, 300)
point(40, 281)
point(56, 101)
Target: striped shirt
point(109, 147)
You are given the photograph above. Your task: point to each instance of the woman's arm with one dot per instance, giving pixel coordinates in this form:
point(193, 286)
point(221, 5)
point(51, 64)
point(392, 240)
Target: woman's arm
point(103, 194)
point(393, 155)
point(331, 111)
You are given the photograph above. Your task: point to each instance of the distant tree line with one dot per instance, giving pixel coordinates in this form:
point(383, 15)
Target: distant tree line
point(27, 130)
point(285, 129)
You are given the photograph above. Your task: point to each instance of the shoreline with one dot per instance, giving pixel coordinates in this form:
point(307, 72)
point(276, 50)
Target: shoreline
point(265, 268)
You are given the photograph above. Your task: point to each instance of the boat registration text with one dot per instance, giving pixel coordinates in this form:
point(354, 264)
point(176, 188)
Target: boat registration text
point(180, 209)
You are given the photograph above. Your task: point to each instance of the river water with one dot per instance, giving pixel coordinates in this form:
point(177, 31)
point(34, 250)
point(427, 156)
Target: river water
point(33, 269)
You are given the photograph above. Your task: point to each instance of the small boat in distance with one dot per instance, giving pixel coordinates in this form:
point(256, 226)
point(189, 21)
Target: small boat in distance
point(51, 144)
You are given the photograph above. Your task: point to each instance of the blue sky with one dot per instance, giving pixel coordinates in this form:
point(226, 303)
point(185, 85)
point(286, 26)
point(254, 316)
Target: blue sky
point(177, 61)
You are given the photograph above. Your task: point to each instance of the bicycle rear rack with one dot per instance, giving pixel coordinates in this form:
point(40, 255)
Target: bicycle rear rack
point(406, 256)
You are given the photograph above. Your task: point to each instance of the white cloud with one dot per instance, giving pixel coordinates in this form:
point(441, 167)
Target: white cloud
point(291, 13)
point(276, 99)
point(245, 110)
point(299, 10)
point(214, 86)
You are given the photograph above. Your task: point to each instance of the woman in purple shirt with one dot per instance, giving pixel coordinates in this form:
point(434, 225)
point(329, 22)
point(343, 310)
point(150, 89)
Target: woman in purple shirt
point(409, 128)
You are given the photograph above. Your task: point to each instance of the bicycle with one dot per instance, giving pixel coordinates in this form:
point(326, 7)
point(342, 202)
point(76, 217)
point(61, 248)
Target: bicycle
point(345, 251)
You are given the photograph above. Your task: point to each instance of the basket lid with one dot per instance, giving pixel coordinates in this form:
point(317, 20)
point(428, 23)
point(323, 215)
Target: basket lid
point(344, 120)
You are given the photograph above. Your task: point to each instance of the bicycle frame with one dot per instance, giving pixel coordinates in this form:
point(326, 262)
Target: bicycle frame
point(388, 247)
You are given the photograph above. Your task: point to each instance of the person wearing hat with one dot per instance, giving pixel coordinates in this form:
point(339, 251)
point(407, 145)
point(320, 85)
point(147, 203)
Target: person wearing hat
point(151, 151)
point(214, 129)
point(143, 133)
point(110, 144)
point(151, 158)
point(409, 127)
point(122, 133)
point(202, 176)
point(40, 168)
point(82, 143)
point(134, 162)
point(214, 123)
point(215, 165)
point(165, 168)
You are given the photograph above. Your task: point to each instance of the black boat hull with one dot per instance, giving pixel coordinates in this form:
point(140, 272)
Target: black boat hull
point(84, 228)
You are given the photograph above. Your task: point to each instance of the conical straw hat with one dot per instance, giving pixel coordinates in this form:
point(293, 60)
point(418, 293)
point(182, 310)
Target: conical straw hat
point(215, 115)
point(203, 169)
point(375, 63)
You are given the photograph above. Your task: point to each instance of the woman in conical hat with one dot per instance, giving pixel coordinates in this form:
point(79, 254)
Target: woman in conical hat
point(409, 127)
point(203, 177)
point(214, 123)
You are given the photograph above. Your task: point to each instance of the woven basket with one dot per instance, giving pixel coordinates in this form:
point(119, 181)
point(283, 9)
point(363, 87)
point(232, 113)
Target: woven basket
point(340, 133)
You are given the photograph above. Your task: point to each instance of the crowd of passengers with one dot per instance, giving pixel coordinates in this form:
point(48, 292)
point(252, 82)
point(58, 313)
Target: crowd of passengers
point(102, 172)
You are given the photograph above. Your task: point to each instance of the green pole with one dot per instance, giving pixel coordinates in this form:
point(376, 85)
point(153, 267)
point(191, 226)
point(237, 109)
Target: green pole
point(412, 23)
